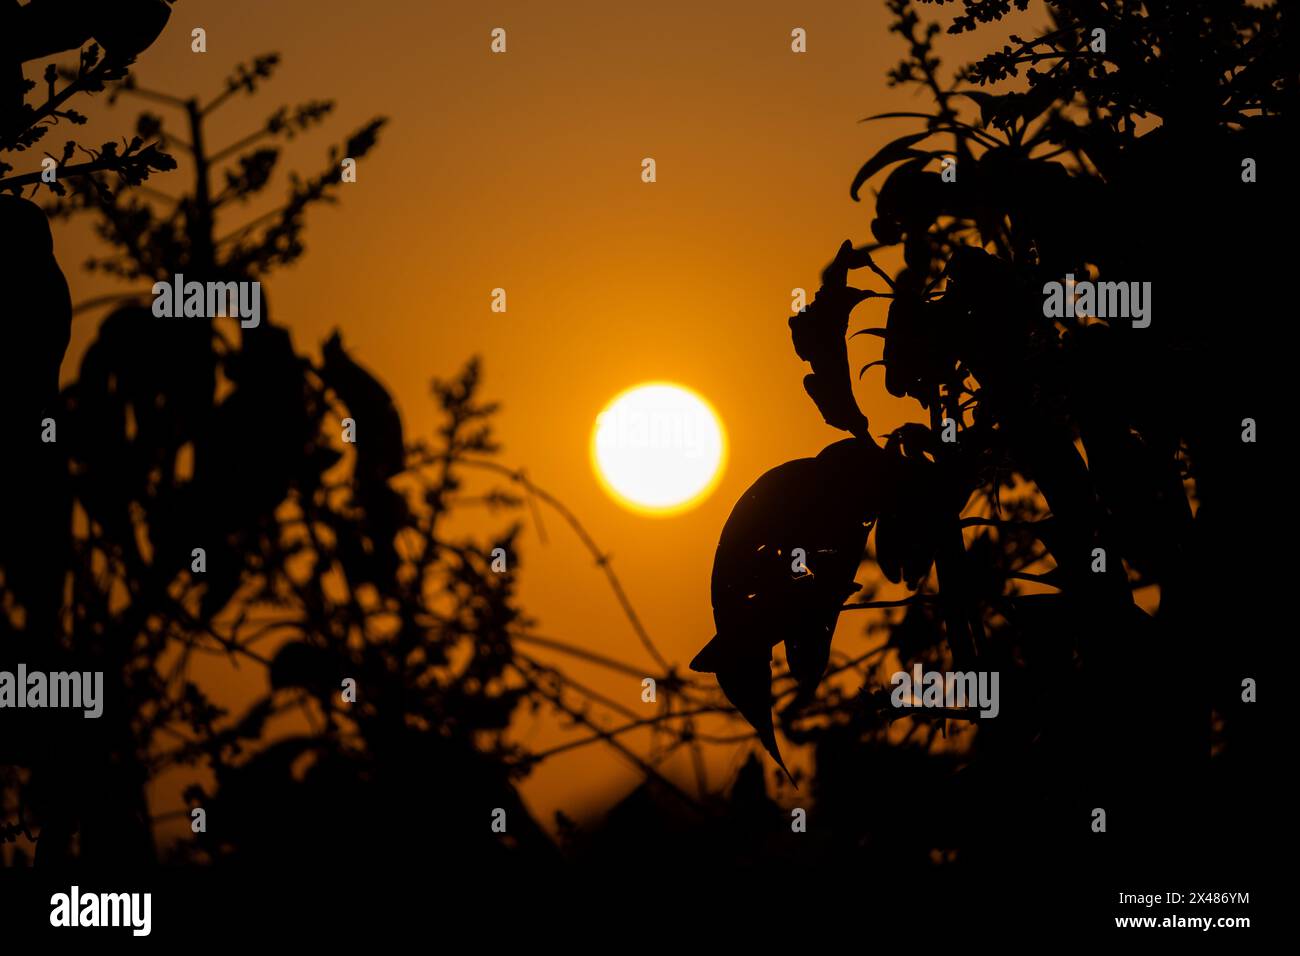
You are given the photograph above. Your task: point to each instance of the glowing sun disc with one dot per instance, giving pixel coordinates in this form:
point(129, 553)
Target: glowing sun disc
point(658, 448)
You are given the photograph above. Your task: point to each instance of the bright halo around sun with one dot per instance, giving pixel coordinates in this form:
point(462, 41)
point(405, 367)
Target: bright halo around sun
point(658, 448)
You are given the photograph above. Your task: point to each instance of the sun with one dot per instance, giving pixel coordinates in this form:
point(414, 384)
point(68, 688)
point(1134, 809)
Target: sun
point(658, 448)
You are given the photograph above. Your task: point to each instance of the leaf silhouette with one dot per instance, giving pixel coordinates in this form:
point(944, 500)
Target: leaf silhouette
point(38, 293)
point(381, 452)
point(760, 596)
point(895, 152)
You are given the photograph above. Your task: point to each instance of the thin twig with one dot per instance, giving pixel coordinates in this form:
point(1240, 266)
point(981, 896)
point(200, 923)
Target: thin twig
point(557, 700)
point(902, 602)
point(602, 559)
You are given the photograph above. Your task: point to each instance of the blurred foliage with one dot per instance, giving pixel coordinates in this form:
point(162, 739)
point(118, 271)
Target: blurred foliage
point(325, 560)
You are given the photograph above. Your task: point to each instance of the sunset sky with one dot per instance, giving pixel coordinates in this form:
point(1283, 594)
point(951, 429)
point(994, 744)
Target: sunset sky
point(522, 171)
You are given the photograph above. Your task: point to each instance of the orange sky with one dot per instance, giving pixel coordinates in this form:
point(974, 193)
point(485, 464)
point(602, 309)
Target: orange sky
point(523, 171)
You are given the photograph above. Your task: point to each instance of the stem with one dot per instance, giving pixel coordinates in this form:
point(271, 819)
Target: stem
point(77, 169)
point(202, 246)
point(602, 559)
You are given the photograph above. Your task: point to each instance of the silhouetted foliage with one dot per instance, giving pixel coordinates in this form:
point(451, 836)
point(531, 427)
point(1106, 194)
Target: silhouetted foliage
point(325, 561)
point(1071, 434)
point(38, 307)
point(43, 28)
point(329, 561)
